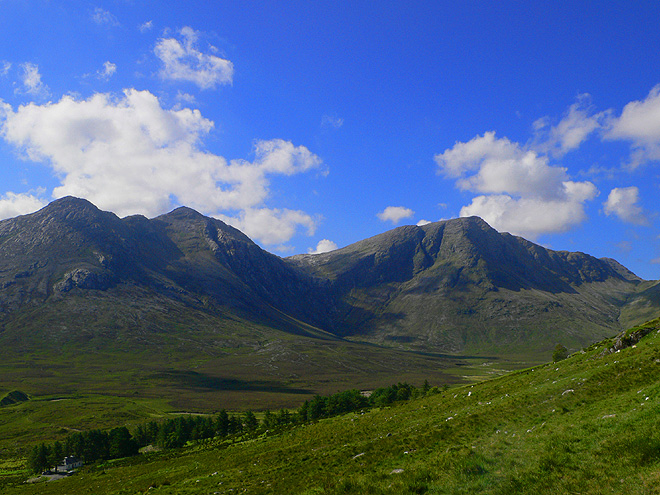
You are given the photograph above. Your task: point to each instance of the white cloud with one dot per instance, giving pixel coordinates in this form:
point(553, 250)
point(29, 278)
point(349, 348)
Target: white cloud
point(31, 79)
point(421, 223)
point(271, 226)
point(531, 217)
point(331, 121)
point(186, 98)
point(182, 61)
point(490, 165)
point(640, 123)
point(623, 202)
point(395, 214)
point(129, 155)
point(103, 17)
point(575, 126)
point(520, 191)
point(4, 67)
point(12, 204)
point(323, 246)
point(147, 26)
point(108, 71)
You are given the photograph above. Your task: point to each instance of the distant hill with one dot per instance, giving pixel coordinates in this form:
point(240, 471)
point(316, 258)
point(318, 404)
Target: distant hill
point(454, 286)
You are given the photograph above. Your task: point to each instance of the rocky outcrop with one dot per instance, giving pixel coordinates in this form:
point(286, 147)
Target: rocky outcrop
point(83, 278)
point(629, 338)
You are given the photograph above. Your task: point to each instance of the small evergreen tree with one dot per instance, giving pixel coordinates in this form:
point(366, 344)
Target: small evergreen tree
point(141, 436)
point(222, 423)
point(56, 455)
point(283, 417)
point(302, 414)
point(426, 387)
point(250, 421)
point(270, 420)
point(121, 444)
point(38, 458)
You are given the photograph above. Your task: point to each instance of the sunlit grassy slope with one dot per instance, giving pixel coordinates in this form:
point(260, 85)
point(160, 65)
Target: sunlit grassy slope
point(588, 424)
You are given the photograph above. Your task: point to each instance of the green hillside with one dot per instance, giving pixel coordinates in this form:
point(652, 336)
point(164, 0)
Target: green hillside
point(587, 424)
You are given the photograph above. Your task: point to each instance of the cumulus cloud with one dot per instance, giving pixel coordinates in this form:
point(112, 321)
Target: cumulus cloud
point(107, 72)
point(531, 217)
point(130, 155)
point(31, 79)
point(12, 204)
point(520, 192)
point(182, 61)
point(395, 214)
point(623, 202)
point(487, 164)
point(323, 246)
point(271, 226)
point(639, 123)
point(577, 124)
point(4, 67)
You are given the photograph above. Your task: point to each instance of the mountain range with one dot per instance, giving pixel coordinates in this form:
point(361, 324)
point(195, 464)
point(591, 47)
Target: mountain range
point(455, 286)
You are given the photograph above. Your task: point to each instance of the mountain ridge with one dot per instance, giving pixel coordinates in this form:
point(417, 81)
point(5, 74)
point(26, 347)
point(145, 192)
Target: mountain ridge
point(477, 276)
point(451, 286)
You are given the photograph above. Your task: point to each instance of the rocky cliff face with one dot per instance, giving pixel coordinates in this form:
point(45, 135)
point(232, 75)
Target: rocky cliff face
point(453, 286)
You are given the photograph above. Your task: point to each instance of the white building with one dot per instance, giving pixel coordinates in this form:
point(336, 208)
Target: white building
point(70, 463)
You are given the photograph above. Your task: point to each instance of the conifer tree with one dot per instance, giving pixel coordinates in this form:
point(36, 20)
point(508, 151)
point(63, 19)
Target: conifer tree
point(38, 458)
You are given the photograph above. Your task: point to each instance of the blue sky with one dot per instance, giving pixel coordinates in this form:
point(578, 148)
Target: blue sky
point(312, 125)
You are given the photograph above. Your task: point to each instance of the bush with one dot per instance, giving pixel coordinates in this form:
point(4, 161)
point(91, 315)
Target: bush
point(560, 353)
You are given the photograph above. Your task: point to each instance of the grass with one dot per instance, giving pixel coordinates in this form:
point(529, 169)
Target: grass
point(108, 374)
point(584, 425)
point(75, 387)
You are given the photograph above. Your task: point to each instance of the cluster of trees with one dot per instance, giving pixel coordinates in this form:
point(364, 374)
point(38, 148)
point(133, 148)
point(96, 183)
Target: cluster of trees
point(175, 433)
point(89, 445)
point(353, 400)
point(96, 445)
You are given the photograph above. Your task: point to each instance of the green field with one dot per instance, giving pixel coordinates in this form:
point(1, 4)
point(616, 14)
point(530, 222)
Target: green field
point(85, 388)
point(584, 425)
